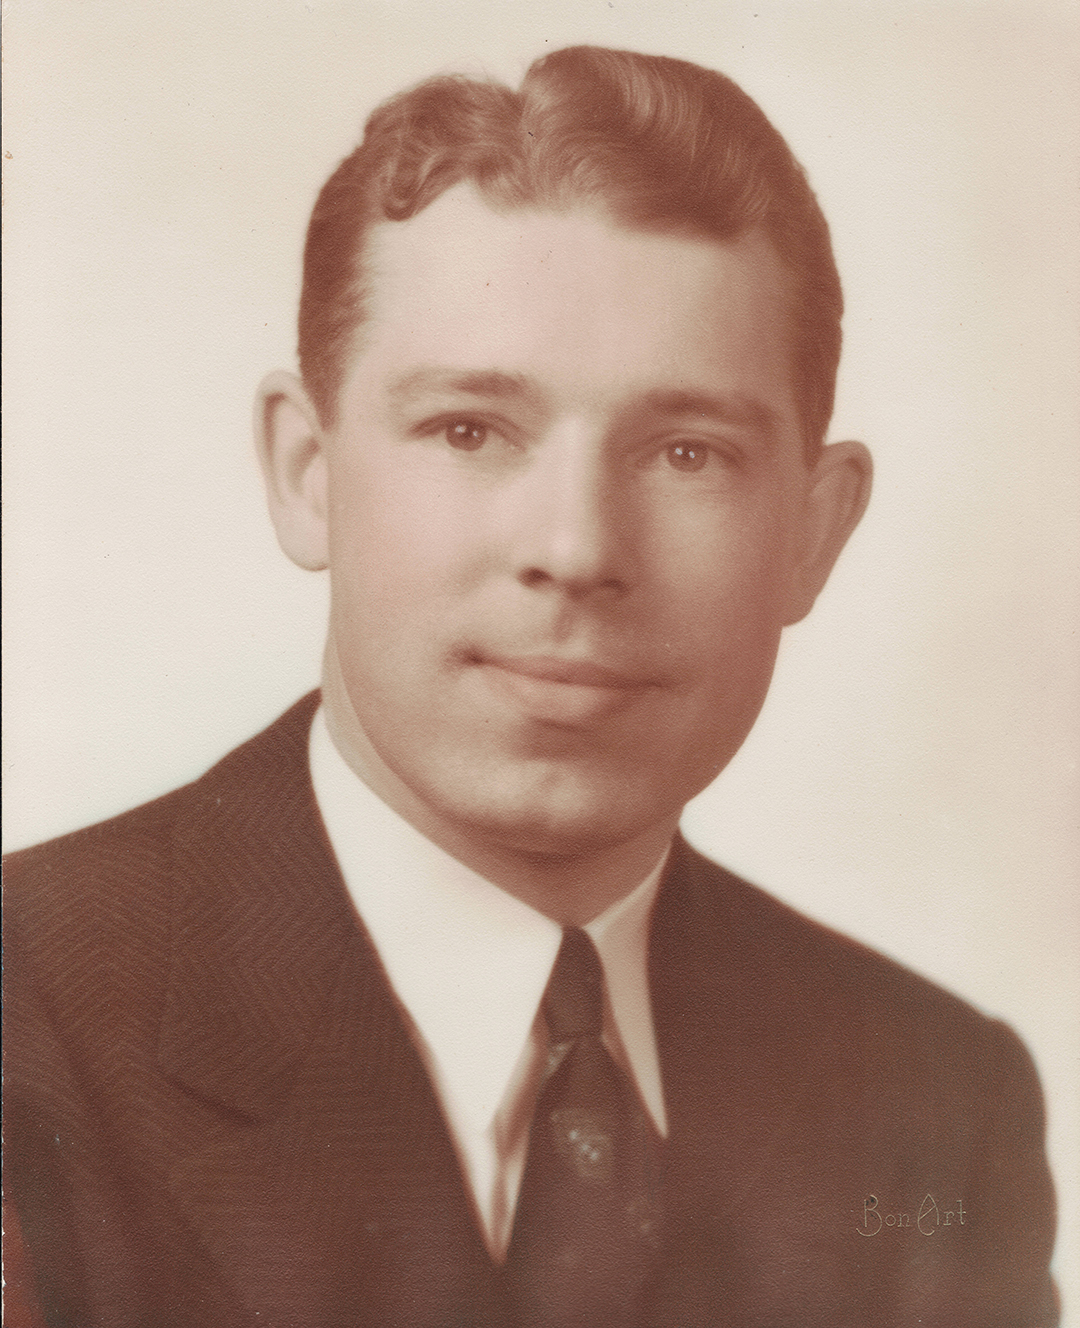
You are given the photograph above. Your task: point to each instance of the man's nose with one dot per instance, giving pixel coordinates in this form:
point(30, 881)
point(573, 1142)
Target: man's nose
point(571, 518)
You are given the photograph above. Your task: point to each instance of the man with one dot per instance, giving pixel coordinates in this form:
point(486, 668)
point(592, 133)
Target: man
point(416, 1010)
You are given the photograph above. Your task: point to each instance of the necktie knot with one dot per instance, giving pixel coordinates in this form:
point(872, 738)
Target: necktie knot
point(574, 999)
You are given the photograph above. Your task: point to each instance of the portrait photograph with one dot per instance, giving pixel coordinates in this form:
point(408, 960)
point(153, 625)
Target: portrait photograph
point(603, 582)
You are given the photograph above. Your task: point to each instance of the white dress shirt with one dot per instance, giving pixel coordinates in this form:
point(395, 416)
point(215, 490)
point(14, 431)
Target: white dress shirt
point(469, 963)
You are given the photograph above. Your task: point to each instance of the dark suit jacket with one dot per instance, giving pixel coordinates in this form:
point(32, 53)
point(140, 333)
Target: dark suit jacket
point(215, 1115)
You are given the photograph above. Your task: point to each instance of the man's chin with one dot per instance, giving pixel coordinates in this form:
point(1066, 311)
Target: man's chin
point(556, 822)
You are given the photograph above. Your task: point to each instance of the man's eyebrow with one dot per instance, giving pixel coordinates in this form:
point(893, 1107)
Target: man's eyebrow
point(734, 408)
point(491, 383)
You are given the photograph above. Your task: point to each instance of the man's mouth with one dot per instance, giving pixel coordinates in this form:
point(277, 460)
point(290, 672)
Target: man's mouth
point(558, 690)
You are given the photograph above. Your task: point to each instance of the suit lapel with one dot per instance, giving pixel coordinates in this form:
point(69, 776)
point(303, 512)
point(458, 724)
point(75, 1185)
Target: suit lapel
point(710, 1030)
point(259, 924)
point(772, 1107)
point(327, 1178)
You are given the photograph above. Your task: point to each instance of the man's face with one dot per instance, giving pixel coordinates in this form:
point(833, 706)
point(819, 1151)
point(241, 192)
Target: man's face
point(565, 496)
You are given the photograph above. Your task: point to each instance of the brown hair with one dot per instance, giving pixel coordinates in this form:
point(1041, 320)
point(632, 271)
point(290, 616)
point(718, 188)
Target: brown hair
point(659, 144)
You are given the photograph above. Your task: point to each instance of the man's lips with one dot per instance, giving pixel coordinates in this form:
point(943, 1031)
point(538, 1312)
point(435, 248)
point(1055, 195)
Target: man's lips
point(554, 690)
point(569, 672)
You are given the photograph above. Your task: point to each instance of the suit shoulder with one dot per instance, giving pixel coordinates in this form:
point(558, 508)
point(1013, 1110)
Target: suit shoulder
point(111, 879)
point(86, 847)
point(846, 1079)
point(833, 988)
point(810, 1006)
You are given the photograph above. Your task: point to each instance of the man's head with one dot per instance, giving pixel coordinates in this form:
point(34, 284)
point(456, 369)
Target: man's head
point(658, 144)
point(558, 449)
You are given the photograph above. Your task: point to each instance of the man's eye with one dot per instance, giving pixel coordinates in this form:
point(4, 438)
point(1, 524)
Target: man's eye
point(466, 435)
point(687, 456)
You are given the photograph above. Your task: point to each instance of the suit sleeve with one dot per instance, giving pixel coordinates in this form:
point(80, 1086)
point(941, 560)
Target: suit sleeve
point(1017, 1196)
point(21, 1309)
point(994, 1273)
point(60, 1176)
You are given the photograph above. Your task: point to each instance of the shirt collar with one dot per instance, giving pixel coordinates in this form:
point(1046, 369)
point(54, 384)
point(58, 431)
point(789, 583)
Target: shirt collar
point(468, 961)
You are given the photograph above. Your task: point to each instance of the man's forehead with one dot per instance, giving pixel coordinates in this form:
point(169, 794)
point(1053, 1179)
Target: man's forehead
point(462, 255)
point(465, 237)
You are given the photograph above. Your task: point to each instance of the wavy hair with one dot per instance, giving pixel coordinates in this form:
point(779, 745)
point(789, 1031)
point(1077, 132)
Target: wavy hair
point(658, 144)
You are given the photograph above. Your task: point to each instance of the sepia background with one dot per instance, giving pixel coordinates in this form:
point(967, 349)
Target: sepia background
point(913, 779)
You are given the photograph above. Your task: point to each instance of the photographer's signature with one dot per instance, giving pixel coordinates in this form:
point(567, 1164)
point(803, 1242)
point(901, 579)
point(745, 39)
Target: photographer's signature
point(928, 1219)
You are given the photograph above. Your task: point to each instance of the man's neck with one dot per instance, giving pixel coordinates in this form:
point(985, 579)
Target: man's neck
point(572, 888)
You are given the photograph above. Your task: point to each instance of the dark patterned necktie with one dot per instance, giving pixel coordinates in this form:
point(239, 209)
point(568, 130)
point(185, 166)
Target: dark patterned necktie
point(588, 1217)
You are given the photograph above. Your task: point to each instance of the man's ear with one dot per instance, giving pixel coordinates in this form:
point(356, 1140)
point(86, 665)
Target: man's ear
point(835, 500)
point(291, 446)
